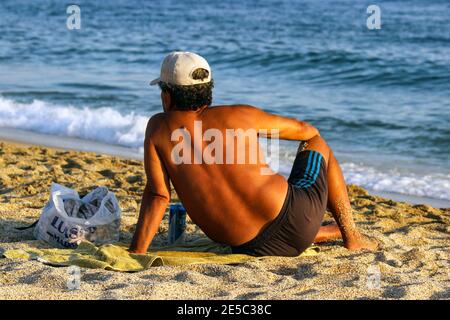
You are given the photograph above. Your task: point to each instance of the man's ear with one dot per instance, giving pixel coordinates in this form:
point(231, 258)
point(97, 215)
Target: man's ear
point(166, 100)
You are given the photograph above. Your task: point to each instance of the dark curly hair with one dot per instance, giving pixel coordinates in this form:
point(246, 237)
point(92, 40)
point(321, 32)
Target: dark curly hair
point(191, 97)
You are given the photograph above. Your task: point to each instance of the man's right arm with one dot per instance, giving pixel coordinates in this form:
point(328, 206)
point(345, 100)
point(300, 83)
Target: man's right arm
point(156, 195)
point(288, 128)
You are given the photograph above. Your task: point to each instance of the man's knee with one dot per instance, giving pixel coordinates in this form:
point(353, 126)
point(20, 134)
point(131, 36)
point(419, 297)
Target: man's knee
point(318, 144)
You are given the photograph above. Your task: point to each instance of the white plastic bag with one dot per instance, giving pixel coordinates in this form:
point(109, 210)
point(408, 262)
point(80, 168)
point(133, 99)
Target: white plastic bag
point(59, 229)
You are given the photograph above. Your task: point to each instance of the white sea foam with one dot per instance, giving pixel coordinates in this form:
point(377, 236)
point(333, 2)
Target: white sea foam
point(104, 124)
point(433, 185)
point(110, 126)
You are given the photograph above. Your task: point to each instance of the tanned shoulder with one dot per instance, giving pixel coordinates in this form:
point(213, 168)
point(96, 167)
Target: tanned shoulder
point(239, 111)
point(244, 115)
point(154, 124)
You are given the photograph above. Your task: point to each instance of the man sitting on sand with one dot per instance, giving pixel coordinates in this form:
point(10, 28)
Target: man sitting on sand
point(240, 203)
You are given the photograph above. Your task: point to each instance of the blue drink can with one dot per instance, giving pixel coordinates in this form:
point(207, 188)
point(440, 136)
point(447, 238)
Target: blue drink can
point(177, 224)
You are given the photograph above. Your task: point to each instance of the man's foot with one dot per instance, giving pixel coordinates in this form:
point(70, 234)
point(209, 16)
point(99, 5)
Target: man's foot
point(360, 242)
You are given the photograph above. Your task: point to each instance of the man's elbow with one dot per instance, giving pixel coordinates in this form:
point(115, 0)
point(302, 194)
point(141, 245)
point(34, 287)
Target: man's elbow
point(155, 200)
point(308, 131)
point(162, 199)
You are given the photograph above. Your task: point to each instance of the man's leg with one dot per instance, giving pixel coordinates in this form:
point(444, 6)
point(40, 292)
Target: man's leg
point(327, 233)
point(338, 202)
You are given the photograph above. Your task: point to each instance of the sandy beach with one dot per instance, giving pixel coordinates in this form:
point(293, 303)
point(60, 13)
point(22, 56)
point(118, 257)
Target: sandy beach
point(413, 261)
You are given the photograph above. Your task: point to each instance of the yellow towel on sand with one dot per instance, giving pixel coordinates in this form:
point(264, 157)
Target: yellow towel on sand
point(117, 258)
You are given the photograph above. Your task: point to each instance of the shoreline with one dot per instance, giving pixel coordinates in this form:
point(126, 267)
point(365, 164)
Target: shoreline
point(66, 143)
point(28, 138)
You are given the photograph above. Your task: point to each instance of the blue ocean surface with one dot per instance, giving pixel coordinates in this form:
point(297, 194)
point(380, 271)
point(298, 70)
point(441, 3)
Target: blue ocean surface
point(381, 98)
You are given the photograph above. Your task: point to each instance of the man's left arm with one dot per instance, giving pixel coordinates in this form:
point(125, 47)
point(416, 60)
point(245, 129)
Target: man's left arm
point(154, 200)
point(288, 128)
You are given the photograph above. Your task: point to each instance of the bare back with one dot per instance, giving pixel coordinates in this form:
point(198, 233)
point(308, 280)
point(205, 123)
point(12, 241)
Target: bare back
point(231, 202)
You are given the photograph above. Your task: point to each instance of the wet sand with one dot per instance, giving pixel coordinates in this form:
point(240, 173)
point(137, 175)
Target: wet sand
point(413, 262)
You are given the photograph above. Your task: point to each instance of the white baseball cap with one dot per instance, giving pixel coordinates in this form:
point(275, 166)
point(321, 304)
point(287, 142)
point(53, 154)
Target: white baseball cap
point(177, 68)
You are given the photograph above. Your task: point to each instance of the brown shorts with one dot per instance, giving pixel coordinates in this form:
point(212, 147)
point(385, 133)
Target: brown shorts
point(300, 218)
